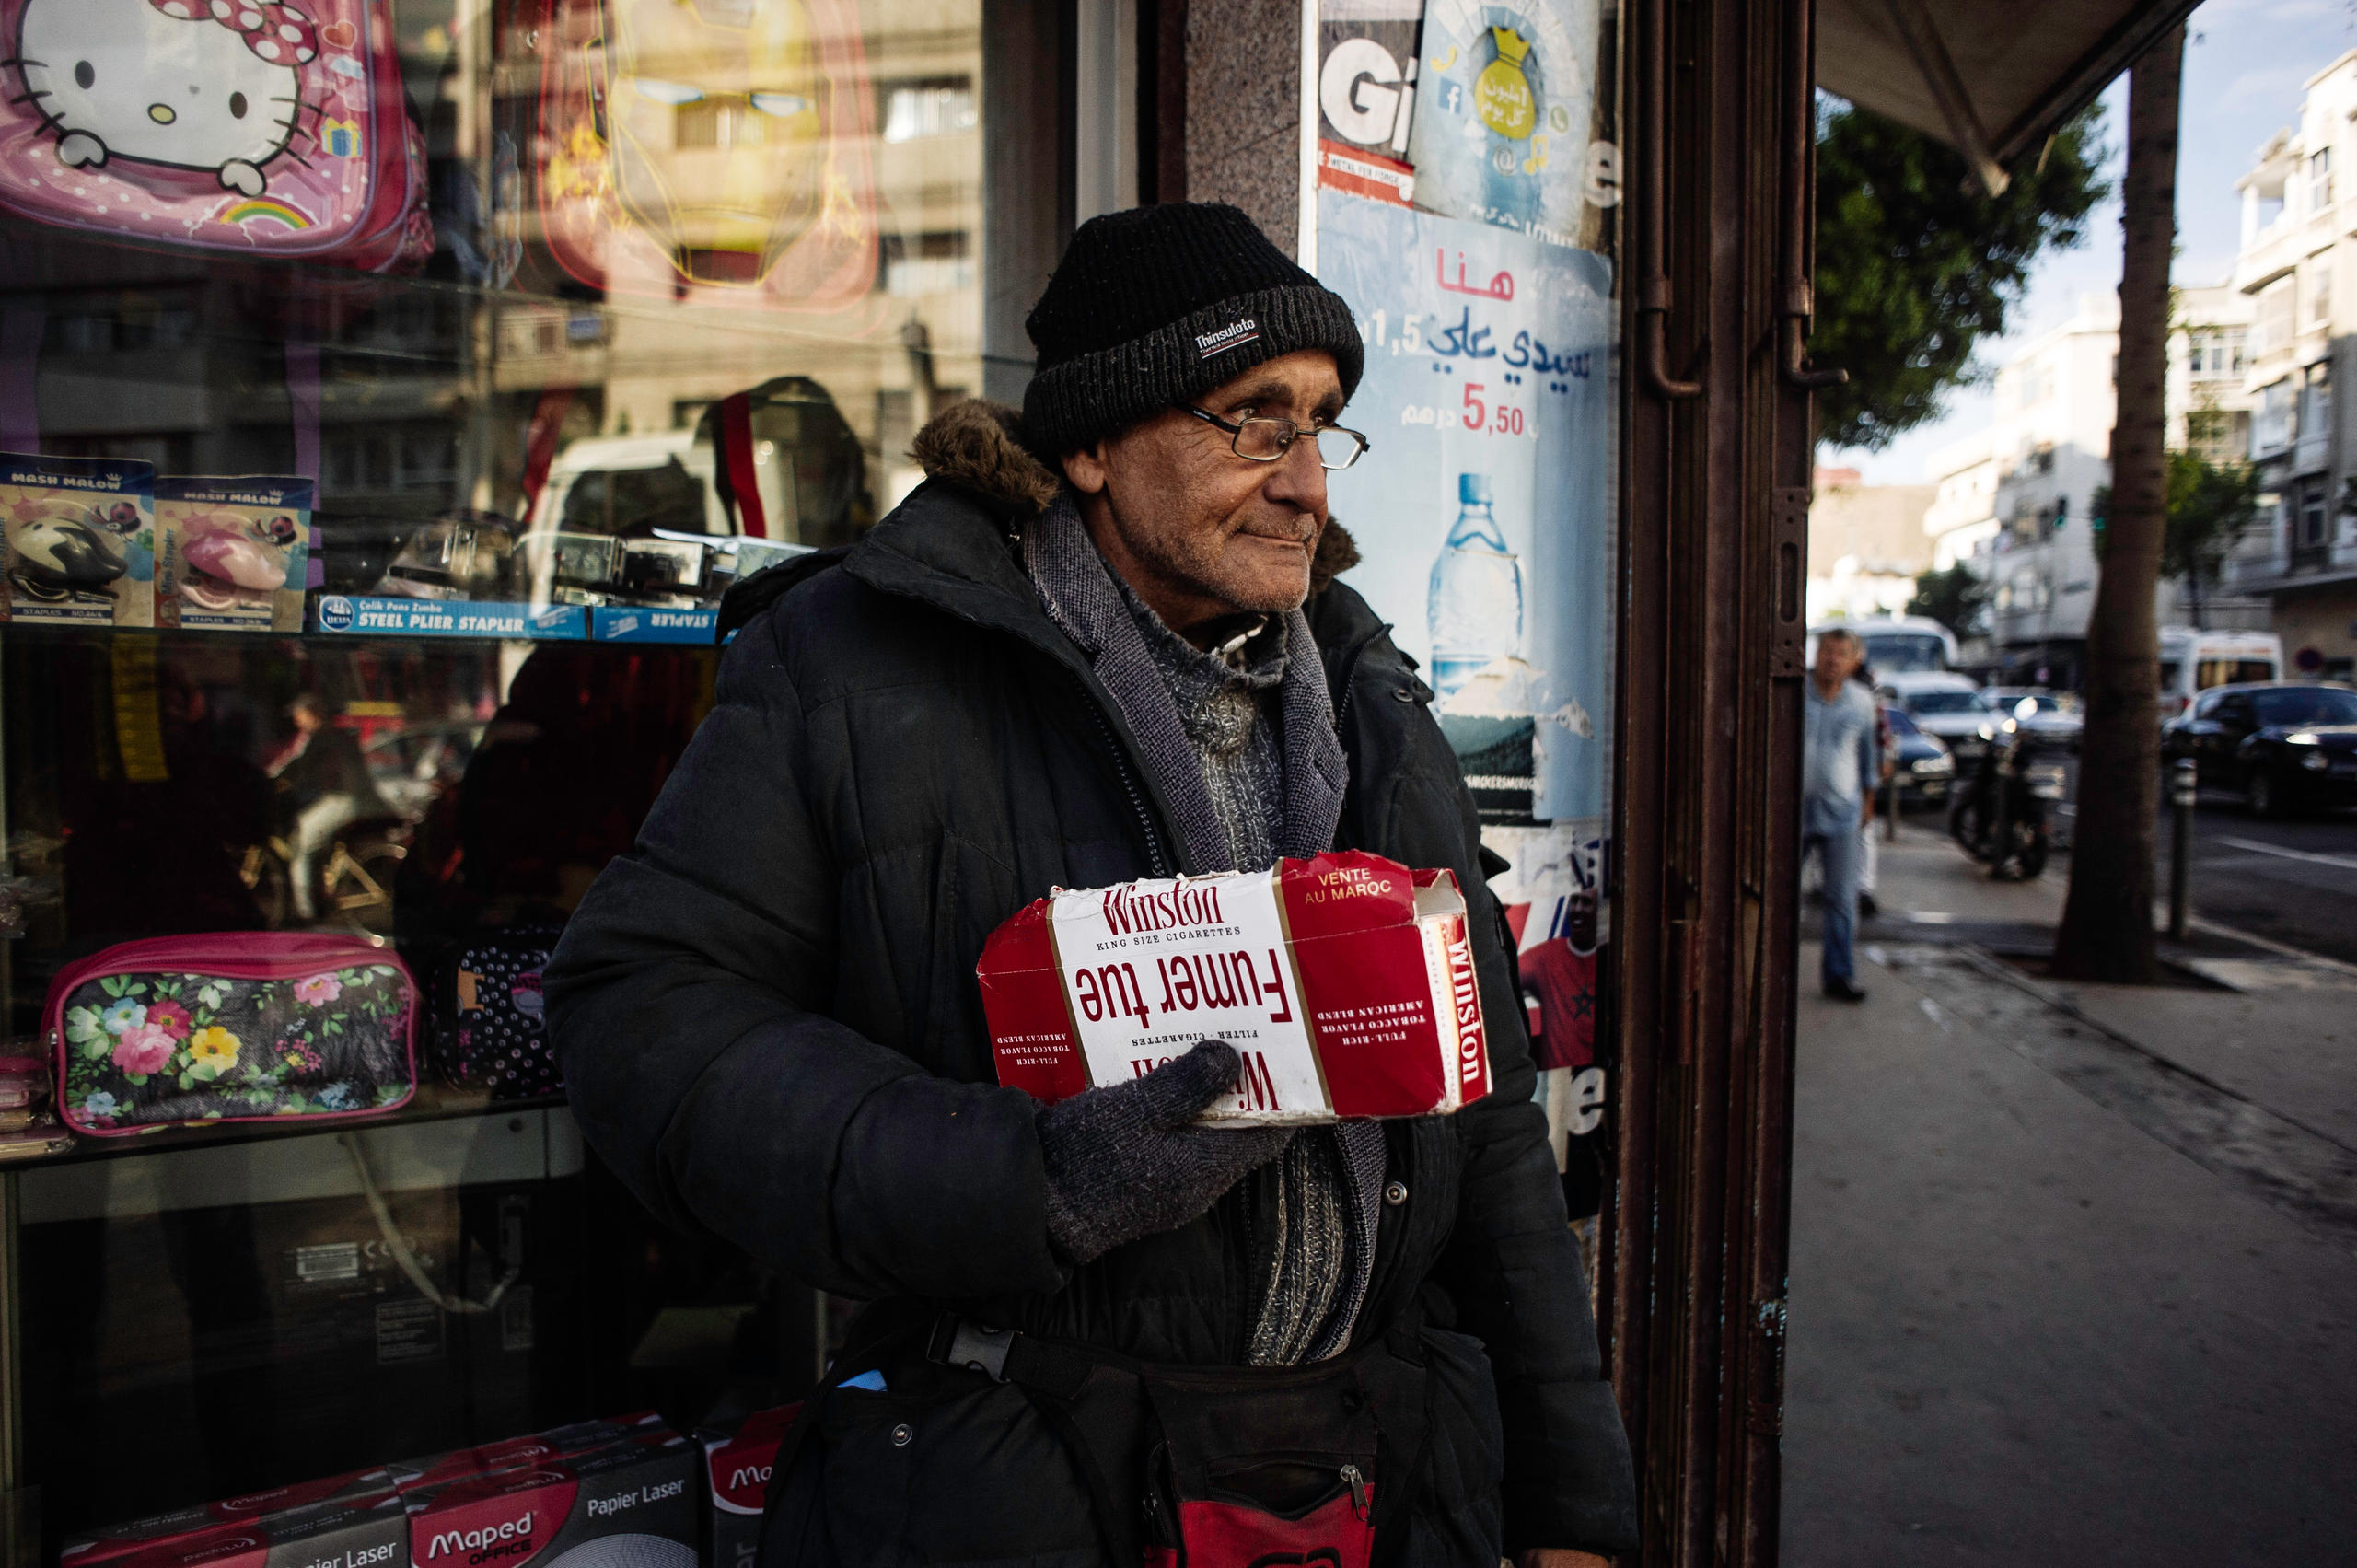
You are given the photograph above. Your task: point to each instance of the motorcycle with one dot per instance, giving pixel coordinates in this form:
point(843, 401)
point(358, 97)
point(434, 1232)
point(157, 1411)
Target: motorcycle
point(2000, 815)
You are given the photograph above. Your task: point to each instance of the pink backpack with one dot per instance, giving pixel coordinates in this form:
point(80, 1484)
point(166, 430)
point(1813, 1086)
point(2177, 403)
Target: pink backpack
point(263, 127)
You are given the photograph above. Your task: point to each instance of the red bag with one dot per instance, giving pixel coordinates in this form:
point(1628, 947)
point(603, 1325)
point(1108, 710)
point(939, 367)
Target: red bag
point(261, 127)
point(1262, 1467)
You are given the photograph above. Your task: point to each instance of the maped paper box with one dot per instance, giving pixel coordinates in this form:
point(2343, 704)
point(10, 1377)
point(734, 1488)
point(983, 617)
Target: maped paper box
point(286, 1506)
point(737, 1467)
point(77, 540)
point(627, 1505)
point(236, 552)
point(558, 1442)
point(368, 1530)
point(1345, 983)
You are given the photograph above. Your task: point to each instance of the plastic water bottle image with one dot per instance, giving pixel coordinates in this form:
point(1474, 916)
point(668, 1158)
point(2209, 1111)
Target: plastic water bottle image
point(1475, 607)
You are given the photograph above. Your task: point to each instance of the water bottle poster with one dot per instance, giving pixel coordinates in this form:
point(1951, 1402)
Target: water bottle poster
point(1482, 507)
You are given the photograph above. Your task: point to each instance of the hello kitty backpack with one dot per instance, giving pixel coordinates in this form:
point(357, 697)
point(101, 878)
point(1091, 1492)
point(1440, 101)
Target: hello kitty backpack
point(266, 127)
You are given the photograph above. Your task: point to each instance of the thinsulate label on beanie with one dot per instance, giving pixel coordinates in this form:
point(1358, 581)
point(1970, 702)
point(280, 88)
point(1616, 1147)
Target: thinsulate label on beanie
point(1344, 982)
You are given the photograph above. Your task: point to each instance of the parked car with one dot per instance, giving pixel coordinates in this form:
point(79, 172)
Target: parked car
point(2283, 745)
point(1923, 766)
point(1943, 705)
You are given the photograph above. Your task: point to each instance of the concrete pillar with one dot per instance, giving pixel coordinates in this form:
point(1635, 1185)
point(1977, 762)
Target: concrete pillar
point(1244, 111)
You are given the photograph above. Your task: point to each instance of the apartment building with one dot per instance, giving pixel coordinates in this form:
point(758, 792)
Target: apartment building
point(2018, 501)
point(1866, 542)
point(2292, 266)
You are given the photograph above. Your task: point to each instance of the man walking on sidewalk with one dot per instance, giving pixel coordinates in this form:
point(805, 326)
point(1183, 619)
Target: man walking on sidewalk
point(1839, 766)
point(1100, 642)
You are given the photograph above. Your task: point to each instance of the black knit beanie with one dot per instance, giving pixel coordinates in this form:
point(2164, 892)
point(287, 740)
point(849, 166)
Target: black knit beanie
point(1156, 305)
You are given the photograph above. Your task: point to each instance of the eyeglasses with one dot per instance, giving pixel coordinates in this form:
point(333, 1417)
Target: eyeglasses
point(1266, 440)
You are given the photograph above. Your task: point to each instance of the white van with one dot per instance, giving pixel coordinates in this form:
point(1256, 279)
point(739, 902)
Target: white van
point(1895, 644)
point(2193, 661)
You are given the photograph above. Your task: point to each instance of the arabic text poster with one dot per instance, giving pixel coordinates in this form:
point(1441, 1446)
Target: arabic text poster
point(1504, 115)
point(1482, 507)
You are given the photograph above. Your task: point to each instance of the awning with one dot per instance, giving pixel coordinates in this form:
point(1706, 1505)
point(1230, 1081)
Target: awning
point(1992, 79)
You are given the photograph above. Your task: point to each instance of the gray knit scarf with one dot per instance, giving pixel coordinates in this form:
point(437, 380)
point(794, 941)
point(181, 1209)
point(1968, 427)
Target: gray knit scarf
point(1245, 791)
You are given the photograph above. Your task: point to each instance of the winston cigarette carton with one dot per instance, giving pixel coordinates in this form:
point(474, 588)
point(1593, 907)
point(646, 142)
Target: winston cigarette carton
point(1345, 982)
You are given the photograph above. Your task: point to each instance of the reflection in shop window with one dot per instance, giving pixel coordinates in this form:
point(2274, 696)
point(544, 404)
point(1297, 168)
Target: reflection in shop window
point(938, 106)
point(939, 262)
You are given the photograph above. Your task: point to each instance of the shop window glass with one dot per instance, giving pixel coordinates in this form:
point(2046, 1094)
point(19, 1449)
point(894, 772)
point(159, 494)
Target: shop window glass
point(420, 429)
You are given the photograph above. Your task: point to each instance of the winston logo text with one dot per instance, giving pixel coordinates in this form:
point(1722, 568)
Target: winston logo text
point(1255, 1087)
point(1127, 910)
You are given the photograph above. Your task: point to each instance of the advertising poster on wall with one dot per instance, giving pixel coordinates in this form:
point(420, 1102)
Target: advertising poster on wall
point(1506, 115)
point(1366, 96)
point(1483, 512)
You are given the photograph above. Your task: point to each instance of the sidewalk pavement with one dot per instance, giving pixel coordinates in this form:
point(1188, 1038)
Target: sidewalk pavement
point(2074, 1268)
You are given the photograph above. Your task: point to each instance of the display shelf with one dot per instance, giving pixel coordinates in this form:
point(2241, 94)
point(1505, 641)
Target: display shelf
point(433, 1102)
point(626, 626)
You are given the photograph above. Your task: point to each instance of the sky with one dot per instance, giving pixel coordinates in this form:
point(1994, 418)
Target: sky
point(2244, 62)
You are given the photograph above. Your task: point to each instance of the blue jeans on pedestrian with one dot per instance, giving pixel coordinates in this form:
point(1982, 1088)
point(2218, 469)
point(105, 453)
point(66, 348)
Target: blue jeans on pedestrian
point(1836, 845)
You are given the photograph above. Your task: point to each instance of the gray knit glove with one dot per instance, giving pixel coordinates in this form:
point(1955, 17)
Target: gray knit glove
point(1122, 1162)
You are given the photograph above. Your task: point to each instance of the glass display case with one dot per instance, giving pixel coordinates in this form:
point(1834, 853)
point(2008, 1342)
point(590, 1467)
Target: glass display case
point(389, 391)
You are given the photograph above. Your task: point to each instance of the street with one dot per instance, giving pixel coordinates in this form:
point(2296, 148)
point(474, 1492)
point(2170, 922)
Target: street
point(2292, 881)
point(2073, 1266)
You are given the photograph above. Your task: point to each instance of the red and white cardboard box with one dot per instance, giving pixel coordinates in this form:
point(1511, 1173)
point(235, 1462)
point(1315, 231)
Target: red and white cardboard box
point(539, 1448)
point(627, 1505)
point(300, 1511)
point(1345, 982)
point(736, 1464)
point(364, 1531)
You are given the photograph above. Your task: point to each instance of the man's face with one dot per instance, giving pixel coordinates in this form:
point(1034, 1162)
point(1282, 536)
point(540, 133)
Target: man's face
point(1197, 531)
point(1836, 659)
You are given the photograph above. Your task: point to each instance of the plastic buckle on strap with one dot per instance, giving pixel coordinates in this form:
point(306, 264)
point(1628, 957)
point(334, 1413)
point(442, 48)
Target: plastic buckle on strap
point(981, 1350)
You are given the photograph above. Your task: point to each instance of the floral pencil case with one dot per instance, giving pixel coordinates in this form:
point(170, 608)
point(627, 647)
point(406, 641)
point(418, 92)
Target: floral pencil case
point(243, 1026)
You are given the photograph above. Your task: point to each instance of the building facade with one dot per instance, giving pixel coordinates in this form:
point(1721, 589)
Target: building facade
point(2021, 501)
point(1866, 542)
point(2293, 267)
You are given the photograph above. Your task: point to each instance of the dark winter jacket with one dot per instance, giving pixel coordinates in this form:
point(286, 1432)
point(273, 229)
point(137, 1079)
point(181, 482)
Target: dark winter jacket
point(769, 1027)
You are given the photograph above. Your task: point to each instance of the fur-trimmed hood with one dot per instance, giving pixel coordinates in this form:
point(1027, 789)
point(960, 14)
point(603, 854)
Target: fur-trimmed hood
point(978, 446)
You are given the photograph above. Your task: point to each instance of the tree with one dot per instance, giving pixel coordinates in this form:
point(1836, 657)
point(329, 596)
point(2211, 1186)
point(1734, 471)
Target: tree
point(1955, 597)
point(2106, 932)
point(1913, 270)
point(2209, 504)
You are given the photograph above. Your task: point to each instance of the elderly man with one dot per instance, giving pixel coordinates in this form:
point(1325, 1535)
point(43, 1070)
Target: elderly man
point(1842, 763)
point(1100, 642)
